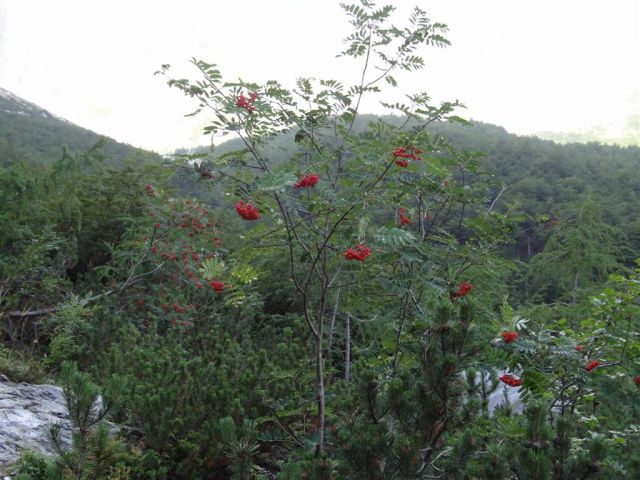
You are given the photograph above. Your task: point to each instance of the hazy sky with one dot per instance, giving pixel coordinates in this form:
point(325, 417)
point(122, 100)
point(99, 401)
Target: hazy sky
point(525, 65)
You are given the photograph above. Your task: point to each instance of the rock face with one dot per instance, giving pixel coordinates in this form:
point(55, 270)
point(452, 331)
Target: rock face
point(26, 411)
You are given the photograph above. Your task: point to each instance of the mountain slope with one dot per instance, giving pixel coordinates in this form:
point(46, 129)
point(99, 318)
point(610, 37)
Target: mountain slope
point(32, 134)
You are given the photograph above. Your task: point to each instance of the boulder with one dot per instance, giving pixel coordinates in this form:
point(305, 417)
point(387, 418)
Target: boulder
point(26, 411)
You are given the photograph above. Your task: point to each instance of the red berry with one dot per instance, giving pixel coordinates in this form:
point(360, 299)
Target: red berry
point(593, 364)
point(509, 337)
point(307, 181)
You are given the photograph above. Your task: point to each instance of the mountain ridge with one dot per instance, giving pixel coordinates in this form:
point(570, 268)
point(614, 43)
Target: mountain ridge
point(32, 134)
point(9, 99)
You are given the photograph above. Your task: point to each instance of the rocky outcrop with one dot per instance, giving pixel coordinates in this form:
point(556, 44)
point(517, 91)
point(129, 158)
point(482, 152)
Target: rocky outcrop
point(26, 411)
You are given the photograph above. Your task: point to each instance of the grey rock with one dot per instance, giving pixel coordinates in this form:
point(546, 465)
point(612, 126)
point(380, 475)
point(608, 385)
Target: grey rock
point(501, 395)
point(506, 396)
point(26, 412)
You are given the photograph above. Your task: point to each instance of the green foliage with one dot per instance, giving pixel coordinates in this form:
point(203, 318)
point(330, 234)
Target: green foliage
point(185, 396)
point(21, 366)
point(392, 426)
point(537, 447)
point(580, 252)
point(71, 331)
point(32, 466)
point(240, 445)
point(57, 228)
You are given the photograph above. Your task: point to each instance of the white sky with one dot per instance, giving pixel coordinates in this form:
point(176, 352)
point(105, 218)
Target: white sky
point(526, 65)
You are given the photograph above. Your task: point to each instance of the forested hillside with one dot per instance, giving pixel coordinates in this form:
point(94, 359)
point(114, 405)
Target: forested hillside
point(331, 295)
point(31, 134)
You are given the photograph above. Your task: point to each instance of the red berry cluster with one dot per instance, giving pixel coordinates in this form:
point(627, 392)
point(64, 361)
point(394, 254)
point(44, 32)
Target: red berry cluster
point(185, 258)
point(307, 181)
point(247, 104)
point(247, 211)
point(360, 253)
point(402, 153)
point(217, 286)
point(636, 380)
point(149, 189)
point(509, 337)
point(196, 223)
point(177, 308)
point(511, 380)
point(404, 220)
point(579, 348)
point(592, 365)
point(190, 261)
point(462, 291)
point(182, 258)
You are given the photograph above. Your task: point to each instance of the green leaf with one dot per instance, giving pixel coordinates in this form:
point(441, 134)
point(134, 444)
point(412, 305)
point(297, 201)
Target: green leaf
point(245, 273)
point(393, 237)
point(391, 81)
point(276, 181)
point(212, 268)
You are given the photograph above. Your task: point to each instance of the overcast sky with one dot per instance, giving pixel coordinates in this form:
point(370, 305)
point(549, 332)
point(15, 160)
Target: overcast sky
point(525, 65)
